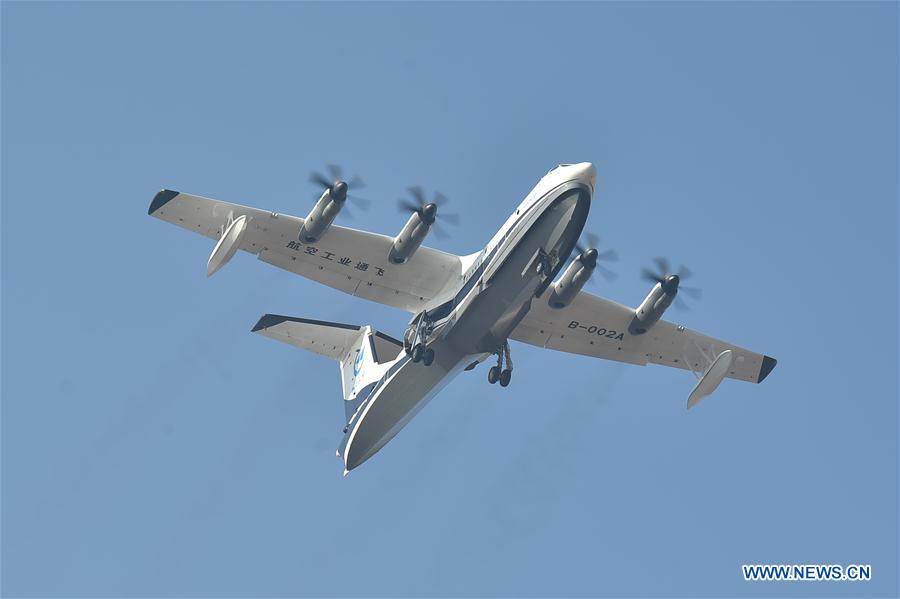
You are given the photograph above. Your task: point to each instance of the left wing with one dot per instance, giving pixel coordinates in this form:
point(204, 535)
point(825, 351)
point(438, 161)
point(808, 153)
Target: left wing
point(594, 326)
point(347, 259)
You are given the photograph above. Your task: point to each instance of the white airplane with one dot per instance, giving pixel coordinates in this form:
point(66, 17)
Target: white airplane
point(465, 308)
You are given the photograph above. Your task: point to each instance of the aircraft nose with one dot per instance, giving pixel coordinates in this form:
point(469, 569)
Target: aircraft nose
point(585, 171)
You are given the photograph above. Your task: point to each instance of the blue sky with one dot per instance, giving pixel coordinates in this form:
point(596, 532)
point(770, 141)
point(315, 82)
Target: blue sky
point(151, 446)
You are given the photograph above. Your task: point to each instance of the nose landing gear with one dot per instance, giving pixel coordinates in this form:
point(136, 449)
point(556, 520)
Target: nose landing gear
point(545, 262)
point(498, 373)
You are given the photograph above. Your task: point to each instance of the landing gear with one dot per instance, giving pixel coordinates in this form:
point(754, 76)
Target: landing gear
point(544, 262)
point(498, 373)
point(428, 357)
point(420, 353)
point(415, 338)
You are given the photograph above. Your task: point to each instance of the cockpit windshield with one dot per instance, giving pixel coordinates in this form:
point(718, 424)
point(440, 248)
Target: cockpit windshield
point(556, 167)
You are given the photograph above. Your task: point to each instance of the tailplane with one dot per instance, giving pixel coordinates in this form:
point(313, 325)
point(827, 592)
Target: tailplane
point(363, 353)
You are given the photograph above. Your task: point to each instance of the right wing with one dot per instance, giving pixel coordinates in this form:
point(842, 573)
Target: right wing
point(595, 326)
point(347, 259)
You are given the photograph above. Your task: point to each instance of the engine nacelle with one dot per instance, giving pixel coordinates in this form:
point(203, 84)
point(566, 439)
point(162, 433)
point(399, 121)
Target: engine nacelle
point(564, 290)
point(410, 238)
point(654, 305)
point(320, 218)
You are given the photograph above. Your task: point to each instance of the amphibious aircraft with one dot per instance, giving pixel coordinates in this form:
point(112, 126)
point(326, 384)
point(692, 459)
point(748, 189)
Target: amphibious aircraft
point(522, 286)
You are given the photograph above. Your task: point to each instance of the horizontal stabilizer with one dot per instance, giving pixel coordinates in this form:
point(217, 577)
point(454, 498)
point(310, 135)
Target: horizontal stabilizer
point(363, 353)
point(330, 339)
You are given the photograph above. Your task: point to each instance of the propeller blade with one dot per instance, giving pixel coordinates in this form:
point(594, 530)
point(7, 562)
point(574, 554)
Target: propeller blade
point(320, 180)
point(692, 292)
point(684, 272)
point(649, 275)
point(407, 206)
point(345, 210)
point(361, 202)
point(592, 239)
point(418, 194)
point(663, 265)
point(451, 218)
point(356, 183)
point(606, 273)
point(608, 255)
point(439, 231)
point(439, 199)
point(335, 171)
point(681, 304)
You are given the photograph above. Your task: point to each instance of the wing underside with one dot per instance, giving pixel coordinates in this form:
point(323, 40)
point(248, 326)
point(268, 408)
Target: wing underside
point(594, 326)
point(351, 260)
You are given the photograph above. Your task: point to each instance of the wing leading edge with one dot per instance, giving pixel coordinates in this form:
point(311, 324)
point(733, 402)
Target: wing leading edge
point(351, 260)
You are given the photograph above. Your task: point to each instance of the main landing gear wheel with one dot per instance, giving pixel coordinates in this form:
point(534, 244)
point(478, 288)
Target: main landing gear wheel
point(417, 352)
point(498, 373)
point(428, 357)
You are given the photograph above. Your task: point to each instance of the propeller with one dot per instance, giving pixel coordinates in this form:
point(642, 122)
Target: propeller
point(671, 281)
point(589, 256)
point(428, 211)
point(339, 188)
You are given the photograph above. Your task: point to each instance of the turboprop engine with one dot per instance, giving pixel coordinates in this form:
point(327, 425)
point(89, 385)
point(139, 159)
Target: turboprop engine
point(413, 234)
point(663, 294)
point(573, 279)
point(330, 204)
point(654, 305)
point(579, 272)
point(323, 213)
point(421, 221)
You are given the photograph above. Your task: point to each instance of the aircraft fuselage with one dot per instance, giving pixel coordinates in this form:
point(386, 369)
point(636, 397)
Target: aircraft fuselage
point(493, 296)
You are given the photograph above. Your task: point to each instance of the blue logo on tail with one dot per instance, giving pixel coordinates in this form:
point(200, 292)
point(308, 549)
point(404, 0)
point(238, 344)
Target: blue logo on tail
point(357, 366)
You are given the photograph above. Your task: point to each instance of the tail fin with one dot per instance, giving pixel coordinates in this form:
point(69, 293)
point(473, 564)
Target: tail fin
point(361, 351)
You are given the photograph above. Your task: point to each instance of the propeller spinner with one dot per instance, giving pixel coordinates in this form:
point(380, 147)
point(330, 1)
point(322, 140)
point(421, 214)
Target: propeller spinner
point(334, 182)
point(590, 256)
point(671, 281)
point(428, 211)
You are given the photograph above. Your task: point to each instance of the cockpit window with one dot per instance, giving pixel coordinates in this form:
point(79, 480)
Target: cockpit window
point(556, 167)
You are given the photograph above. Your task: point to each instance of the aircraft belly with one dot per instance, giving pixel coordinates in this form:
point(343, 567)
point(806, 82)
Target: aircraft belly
point(401, 398)
point(506, 298)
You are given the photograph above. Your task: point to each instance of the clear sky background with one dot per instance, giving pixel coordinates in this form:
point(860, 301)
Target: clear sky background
point(152, 446)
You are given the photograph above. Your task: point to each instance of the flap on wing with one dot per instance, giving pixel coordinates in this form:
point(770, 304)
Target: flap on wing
point(594, 326)
point(347, 259)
